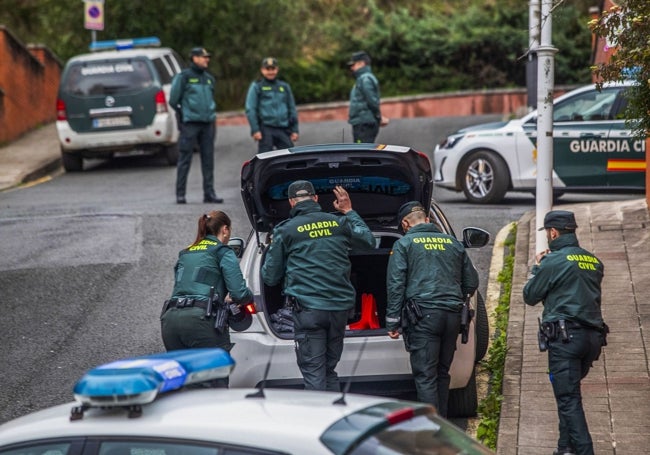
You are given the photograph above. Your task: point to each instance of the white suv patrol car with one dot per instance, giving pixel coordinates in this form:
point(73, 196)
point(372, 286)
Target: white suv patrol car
point(115, 102)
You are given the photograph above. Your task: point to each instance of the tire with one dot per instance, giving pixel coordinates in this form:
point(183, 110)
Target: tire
point(171, 154)
point(72, 162)
point(463, 402)
point(484, 177)
point(482, 327)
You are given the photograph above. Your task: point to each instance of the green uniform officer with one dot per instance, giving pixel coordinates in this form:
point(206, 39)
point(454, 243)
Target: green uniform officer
point(364, 112)
point(310, 250)
point(567, 279)
point(207, 263)
point(431, 270)
point(271, 110)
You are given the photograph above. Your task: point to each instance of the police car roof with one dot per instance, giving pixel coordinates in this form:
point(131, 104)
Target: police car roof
point(122, 54)
point(292, 420)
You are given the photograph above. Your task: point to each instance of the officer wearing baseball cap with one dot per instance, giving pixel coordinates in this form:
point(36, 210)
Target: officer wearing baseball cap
point(271, 109)
point(309, 253)
point(567, 280)
point(192, 96)
point(430, 273)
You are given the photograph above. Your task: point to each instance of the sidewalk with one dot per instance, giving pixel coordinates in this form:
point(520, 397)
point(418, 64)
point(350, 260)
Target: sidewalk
point(31, 157)
point(616, 393)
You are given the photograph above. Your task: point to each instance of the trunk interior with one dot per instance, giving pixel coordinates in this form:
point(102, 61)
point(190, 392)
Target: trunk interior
point(368, 276)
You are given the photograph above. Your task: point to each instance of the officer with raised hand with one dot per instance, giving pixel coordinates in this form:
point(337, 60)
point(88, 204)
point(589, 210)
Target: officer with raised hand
point(271, 110)
point(310, 251)
point(428, 278)
point(567, 279)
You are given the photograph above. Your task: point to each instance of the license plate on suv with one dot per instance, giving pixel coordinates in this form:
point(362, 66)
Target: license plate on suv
point(107, 122)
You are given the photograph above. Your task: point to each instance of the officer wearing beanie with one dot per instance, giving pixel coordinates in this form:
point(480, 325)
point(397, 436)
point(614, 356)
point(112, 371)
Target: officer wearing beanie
point(431, 270)
point(271, 110)
point(192, 96)
point(309, 252)
point(567, 279)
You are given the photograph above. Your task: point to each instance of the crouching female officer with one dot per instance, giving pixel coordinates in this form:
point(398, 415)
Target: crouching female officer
point(206, 268)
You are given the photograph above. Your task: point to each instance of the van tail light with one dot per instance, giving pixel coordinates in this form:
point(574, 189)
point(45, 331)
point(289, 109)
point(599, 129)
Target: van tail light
point(161, 102)
point(60, 110)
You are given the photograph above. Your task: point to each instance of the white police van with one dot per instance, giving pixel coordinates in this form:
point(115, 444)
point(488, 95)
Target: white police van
point(114, 102)
point(155, 405)
point(593, 150)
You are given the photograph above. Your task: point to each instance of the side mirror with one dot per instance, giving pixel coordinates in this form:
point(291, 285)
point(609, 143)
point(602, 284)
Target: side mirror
point(475, 237)
point(237, 245)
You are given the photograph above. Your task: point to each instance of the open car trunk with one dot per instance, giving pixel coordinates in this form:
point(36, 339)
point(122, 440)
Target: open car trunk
point(368, 276)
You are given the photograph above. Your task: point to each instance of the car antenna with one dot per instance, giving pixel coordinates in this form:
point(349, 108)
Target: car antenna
point(346, 389)
point(260, 391)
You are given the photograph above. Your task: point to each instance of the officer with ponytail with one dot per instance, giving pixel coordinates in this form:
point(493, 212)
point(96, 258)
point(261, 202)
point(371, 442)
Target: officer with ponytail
point(206, 272)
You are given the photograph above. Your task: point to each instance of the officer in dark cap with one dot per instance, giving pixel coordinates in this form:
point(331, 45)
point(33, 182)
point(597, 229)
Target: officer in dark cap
point(428, 278)
point(309, 252)
point(567, 279)
point(192, 96)
point(365, 113)
point(271, 110)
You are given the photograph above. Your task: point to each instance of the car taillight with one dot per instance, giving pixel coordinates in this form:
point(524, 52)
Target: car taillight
point(250, 308)
point(60, 110)
point(161, 102)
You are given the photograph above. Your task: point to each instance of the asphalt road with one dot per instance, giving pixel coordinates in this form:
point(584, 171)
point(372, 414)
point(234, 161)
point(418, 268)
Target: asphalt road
point(86, 258)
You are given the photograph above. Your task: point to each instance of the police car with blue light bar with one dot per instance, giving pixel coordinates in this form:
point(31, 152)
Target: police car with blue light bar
point(156, 405)
point(593, 150)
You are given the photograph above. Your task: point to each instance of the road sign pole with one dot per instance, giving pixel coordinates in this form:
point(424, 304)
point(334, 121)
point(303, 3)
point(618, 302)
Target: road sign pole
point(545, 88)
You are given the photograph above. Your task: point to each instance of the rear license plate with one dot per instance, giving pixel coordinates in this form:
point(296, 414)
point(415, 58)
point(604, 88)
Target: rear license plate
point(106, 122)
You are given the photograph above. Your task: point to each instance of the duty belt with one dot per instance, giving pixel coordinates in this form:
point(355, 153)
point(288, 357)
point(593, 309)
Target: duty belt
point(185, 302)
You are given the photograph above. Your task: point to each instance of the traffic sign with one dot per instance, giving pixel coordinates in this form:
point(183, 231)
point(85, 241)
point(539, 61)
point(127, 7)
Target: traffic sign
point(94, 14)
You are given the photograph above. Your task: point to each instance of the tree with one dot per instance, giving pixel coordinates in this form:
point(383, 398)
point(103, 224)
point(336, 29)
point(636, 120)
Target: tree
point(626, 27)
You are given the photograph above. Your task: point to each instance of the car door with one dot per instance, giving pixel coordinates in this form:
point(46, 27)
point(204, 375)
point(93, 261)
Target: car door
point(626, 164)
point(581, 126)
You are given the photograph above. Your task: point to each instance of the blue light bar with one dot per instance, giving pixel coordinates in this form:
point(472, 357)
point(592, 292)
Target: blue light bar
point(139, 380)
point(121, 44)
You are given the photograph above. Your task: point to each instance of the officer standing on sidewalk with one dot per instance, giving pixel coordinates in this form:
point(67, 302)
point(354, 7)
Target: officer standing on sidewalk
point(567, 279)
point(192, 96)
point(310, 250)
point(271, 110)
point(429, 276)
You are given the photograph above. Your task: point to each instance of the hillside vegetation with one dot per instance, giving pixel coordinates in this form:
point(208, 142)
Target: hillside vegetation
point(417, 46)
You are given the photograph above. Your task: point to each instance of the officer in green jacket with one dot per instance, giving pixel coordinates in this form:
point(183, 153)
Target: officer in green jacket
point(271, 110)
point(567, 279)
point(365, 113)
point(431, 273)
point(310, 251)
point(192, 96)
point(206, 273)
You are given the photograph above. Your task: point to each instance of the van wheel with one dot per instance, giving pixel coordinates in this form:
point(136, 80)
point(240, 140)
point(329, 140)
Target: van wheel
point(171, 154)
point(482, 328)
point(484, 177)
point(72, 162)
point(463, 402)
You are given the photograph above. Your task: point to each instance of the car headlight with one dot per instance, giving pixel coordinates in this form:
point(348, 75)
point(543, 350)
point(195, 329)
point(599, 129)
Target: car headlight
point(451, 141)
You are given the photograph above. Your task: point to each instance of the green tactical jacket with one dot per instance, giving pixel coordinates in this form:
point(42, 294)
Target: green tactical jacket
point(209, 263)
point(429, 267)
point(192, 93)
point(310, 250)
point(271, 103)
point(568, 281)
point(364, 98)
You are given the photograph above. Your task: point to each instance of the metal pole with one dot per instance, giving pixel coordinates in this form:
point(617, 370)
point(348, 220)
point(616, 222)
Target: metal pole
point(533, 44)
point(545, 83)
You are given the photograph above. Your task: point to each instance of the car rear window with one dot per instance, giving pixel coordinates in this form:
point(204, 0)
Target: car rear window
point(352, 183)
point(108, 77)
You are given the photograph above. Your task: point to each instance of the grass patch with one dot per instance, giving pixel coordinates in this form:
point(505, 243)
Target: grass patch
point(490, 407)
